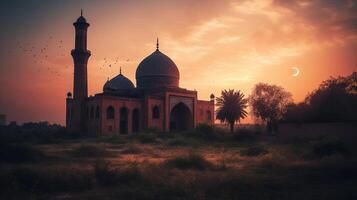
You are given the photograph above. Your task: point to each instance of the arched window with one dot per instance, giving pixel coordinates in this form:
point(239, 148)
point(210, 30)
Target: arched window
point(91, 112)
point(209, 115)
point(156, 112)
point(110, 112)
point(97, 112)
point(124, 120)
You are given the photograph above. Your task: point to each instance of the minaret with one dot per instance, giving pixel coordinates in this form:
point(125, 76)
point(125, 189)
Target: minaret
point(80, 56)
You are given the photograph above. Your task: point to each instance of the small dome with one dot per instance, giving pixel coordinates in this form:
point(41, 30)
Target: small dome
point(157, 70)
point(118, 84)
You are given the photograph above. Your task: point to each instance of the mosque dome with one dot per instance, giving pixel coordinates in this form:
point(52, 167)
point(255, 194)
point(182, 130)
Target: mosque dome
point(157, 70)
point(118, 84)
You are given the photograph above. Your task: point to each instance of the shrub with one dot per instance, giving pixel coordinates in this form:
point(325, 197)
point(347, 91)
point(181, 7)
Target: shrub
point(253, 151)
point(144, 138)
point(245, 135)
point(89, 151)
point(203, 131)
point(190, 161)
point(103, 174)
point(18, 153)
point(179, 141)
point(328, 147)
point(107, 176)
point(114, 140)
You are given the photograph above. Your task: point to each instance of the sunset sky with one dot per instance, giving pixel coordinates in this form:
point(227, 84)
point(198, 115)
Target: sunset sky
point(215, 44)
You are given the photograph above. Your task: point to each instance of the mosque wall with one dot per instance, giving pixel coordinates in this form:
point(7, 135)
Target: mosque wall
point(155, 110)
point(205, 112)
point(122, 108)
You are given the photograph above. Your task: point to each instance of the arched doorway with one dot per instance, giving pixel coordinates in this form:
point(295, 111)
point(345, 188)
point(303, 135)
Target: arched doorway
point(123, 120)
point(136, 120)
point(180, 118)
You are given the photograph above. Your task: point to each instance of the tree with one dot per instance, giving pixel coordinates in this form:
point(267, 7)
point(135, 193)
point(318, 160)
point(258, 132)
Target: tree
point(269, 103)
point(231, 107)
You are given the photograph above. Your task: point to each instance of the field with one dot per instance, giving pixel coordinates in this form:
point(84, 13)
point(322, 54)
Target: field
point(202, 164)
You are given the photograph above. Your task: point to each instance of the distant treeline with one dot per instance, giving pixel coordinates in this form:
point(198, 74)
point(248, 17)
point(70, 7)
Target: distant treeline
point(31, 131)
point(335, 100)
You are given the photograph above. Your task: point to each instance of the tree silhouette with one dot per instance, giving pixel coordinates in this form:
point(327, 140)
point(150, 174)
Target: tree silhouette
point(335, 100)
point(269, 103)
point(231, 107)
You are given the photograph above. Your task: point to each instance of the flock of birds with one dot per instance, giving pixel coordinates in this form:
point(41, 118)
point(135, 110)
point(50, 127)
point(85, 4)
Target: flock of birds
point(40, 55)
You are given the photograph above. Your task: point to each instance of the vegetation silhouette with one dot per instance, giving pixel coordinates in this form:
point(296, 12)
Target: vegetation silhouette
point(269, 103)
point(335, 100)
point(231, 107)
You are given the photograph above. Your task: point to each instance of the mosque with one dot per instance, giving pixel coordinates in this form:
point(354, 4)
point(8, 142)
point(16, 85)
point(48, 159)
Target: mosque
point(157, 101)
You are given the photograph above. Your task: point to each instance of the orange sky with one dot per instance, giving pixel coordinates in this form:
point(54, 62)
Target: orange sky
point(215, 44)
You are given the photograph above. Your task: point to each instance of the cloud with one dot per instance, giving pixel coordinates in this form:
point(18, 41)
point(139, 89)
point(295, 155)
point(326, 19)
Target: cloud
point(330, 18)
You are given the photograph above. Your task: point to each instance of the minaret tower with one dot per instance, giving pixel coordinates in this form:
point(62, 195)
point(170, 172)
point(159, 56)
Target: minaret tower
point(80, 56)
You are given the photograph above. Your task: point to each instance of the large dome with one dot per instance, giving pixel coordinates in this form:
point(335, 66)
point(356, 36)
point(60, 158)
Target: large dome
point(118, 84)
point(157, 70)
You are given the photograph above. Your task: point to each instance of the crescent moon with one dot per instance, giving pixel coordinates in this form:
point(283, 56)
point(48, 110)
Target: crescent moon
point(296, 71)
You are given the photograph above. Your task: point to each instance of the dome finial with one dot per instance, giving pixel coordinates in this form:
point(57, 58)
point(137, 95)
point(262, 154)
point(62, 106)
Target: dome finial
point(157, 44)
point(120, 70)
point(81, 12)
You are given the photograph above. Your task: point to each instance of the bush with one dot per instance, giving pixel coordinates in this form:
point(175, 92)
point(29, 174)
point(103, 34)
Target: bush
point(179, 141)
point(107, 176)
point(114, 140)
point(328, 147)
point(245, 135)
point(191, 161)
point(253, 151)
point(144, 138)
point(18, 153)
point(203, 131)
point(89, 151)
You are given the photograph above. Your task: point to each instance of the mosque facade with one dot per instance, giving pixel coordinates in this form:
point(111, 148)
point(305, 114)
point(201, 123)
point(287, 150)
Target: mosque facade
point(157, 101)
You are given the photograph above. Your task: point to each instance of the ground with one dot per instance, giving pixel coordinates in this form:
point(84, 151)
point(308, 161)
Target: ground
point(202, 164)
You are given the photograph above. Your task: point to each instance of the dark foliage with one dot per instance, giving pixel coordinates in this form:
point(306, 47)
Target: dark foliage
point(231, 107)
point(145, 137)
point(253, 151)
point(269, 103)
point(190, 161)
point(328, 147)
point(45, 180)
point(334, 101)
point(20, 153)
point(37, 132)
point(89, 151)
point(106, 176)
point(205, 132)
point(245, 135)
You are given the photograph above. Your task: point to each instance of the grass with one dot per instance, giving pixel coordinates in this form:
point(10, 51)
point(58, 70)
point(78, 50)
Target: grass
point(192, 161)
point(155, 165)
point(253, 151)
point(85, 150)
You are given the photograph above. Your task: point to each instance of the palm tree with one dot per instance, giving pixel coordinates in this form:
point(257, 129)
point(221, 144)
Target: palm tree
point(231, 107)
